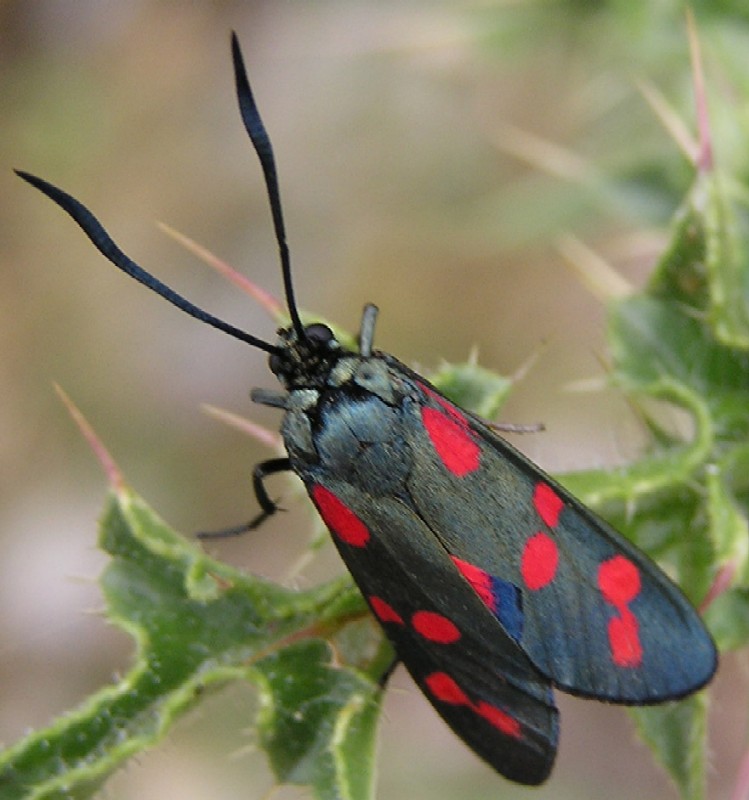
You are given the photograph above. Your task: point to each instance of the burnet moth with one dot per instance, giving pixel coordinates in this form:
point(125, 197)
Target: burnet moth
point(492, 582)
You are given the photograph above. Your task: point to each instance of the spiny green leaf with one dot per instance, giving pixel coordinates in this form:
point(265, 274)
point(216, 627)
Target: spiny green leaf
point(676, 733)
point(316, 723)
point(473, 387)
point(199, 623)
point(685, 340)
point(704, 266)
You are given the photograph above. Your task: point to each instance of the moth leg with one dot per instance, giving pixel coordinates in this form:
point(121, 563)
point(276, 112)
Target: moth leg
point(269, 397)
point(261, 471)
point(513, 427)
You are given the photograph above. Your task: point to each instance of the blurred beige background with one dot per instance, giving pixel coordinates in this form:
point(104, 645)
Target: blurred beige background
point(389, 122)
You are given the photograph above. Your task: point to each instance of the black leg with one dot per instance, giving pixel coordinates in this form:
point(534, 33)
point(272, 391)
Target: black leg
point(262, 470)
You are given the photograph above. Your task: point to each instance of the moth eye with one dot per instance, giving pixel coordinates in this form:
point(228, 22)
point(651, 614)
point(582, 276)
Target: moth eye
point(319, 333)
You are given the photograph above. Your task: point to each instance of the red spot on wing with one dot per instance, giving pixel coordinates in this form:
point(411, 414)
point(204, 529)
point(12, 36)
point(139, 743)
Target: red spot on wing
point(479, 580)
point(619, 580)
point(619, 583)
point(452, 410)
point(538, 564)
point(444, 688)
point(340, 518)
point(435, 627)
point(384, 611)
point(452, 440)
point(500, 719)
point(624, 640)
point(451, 435)
point(548, 504)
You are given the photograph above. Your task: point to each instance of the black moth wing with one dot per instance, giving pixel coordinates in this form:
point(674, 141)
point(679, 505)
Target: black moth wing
point(347, 442)
point(475, 676)
point(592, 612)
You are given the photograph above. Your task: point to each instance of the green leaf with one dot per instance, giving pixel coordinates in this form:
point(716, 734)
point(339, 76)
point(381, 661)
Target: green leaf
point(318, 724)
point(676, 733)
point(704, 267)
point(728, 618)
point(684, 342)
point(473, 387)
point(198, 623)
point(728, 525)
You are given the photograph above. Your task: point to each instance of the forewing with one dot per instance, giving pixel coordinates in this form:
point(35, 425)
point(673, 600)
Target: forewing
point(473, 673)
point(592, 612)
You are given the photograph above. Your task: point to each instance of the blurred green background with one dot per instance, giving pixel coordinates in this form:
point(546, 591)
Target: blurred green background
point(414, 143)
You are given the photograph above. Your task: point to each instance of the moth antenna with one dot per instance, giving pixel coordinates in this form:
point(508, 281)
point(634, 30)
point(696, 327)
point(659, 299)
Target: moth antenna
point(106, 246)
point(261, 142)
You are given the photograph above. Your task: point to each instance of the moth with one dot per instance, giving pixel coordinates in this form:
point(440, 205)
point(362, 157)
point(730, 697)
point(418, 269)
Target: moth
point(493, 583)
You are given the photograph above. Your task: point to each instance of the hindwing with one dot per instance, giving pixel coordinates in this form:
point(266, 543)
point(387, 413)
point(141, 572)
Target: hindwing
point(473, 673)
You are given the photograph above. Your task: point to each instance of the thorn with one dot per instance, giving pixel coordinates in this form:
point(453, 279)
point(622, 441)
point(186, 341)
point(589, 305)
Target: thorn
point(257, 432)
point(116, 481)
point(723, 580)
point(595, 273)
point(266, 300)
point(704, 162)
point(587, 385)
point(529, 364)
point(670, 120)
point(543, 154)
